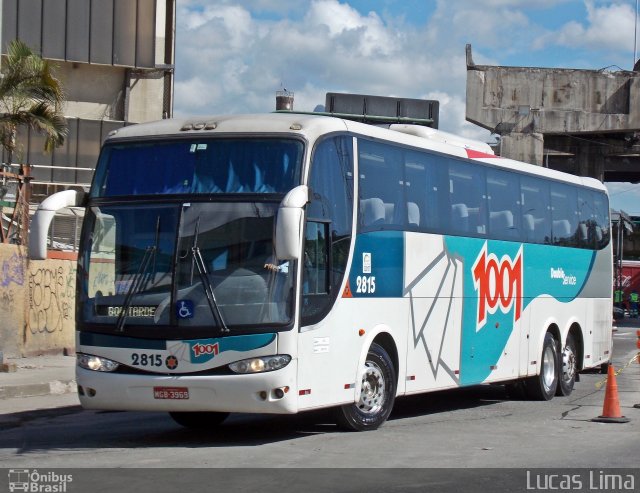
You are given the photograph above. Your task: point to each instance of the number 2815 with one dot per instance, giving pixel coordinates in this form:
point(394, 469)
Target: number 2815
point(146, 359)
point(366, 284)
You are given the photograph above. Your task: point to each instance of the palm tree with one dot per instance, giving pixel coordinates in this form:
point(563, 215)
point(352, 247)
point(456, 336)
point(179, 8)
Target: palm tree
point(29, 95)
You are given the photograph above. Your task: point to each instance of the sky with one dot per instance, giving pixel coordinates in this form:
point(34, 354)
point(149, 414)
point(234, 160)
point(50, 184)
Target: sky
point(232, 57)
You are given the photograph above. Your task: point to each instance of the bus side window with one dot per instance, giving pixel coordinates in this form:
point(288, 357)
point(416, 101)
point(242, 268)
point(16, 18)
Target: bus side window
point(504, 201)
point(468, 198)
point(593, 226)
point(601, 219)
point(423, 173)
point(413, 214)
point(381, 187)
point(373, 212)
point(460, 218)
point(564, 212)
point(536, 210)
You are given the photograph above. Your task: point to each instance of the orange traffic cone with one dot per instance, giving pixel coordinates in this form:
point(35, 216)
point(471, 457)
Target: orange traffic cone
point(611, 407)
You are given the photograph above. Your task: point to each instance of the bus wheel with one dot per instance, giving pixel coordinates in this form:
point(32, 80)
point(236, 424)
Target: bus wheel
point(377, 394)
point(199, 421)
point(542, 387)
point(569, 368)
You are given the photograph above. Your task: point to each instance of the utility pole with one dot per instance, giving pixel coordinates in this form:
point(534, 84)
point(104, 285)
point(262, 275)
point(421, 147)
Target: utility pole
point(635, 36)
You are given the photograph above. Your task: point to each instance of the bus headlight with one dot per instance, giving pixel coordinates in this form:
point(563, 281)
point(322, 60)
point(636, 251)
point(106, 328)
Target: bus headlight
point(96, 363)
point(262, 364)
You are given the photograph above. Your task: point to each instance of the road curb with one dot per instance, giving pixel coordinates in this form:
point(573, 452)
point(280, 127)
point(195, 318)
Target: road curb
point(56, 387)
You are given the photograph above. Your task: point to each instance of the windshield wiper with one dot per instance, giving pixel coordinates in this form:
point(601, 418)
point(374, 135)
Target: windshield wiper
point(204, 278)
point(140, 278)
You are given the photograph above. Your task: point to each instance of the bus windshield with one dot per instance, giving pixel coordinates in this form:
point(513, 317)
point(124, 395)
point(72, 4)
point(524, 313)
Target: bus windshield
point(218, 271)
point(199, 166)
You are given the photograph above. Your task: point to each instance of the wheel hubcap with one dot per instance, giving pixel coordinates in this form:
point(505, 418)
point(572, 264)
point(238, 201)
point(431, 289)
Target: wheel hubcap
point(548, 369)
point(568, 364)
point(372, 389)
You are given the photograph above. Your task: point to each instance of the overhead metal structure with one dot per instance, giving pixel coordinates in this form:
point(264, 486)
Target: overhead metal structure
point(585, 122)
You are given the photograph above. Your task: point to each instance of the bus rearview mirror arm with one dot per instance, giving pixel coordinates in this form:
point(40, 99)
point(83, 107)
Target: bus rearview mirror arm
point(288, 241)
point(44, 215)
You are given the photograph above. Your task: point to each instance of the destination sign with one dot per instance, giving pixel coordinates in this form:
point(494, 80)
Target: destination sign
point(133, 311)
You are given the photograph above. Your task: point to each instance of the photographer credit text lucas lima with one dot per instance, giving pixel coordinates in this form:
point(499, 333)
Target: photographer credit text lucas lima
point(595, 480)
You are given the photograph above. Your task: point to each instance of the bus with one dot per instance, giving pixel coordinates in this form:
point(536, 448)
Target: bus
point(287, 262)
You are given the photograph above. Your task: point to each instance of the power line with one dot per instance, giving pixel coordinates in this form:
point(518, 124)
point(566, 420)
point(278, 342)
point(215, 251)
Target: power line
point(637, 187)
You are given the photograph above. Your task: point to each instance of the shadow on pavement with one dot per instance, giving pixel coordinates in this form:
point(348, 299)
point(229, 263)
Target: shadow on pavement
point(74, 428)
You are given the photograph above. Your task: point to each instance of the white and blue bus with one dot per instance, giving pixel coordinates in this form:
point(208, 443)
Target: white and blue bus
point(280, 263)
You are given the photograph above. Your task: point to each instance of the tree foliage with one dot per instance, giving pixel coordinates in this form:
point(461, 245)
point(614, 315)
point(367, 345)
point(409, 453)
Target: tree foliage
point(29, 95)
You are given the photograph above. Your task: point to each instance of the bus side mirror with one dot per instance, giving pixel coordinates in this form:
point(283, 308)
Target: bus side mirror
point(288, 241)
point(43, 216)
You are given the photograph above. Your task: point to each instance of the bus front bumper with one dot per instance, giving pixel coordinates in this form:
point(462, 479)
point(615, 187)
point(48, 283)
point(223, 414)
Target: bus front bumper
point(270, 392)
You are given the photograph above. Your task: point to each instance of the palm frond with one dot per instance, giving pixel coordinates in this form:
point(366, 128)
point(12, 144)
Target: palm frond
point(46, 120)
point(30, 95)
point(18, 50)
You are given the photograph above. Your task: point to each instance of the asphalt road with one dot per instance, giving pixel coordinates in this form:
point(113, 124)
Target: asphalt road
point(478, 427)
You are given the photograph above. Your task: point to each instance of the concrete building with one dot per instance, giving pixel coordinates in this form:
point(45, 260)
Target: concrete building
point(115, 59)
point(585, 122)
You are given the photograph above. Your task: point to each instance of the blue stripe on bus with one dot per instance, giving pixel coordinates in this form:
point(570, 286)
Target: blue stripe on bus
point(557, 272)
point(385, 253)
point(235, 343)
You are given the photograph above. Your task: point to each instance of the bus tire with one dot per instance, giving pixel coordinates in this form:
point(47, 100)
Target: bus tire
point(199, 420)
point(377, 394)
point(542, 387)
point(568, 367)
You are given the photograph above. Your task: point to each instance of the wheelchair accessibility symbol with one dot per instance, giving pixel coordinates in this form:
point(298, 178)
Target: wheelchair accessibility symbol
point(184, 309)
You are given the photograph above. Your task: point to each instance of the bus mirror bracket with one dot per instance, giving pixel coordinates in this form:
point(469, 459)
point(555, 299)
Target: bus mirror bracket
point(39, 227)
point(288, 241)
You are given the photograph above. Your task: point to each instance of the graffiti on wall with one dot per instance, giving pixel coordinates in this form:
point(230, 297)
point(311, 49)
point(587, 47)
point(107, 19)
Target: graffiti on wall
point(11, 278)
point(51, 298)
point(37, 302)
point(7, 300)
point(12, 271)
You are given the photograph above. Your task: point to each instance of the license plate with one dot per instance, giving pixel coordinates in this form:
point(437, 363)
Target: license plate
point(170, 393)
